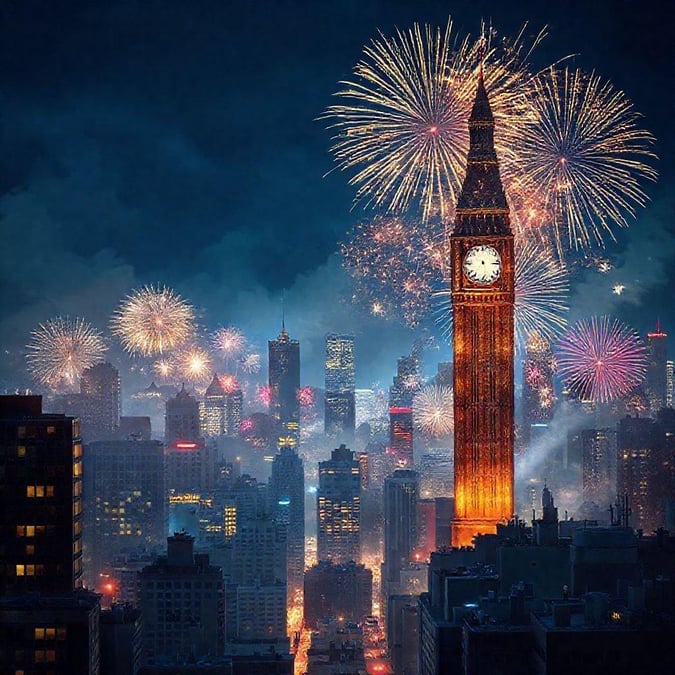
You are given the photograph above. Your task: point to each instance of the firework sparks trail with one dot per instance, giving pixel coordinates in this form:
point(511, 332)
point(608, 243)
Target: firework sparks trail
point(61, 349)
point(250, 363)
point(433, 410)
point(264, 394)
point(403, 125)
point(163, 368)
point(229, 342)
point(153, 321)
point(588, 155)
point(601, 359)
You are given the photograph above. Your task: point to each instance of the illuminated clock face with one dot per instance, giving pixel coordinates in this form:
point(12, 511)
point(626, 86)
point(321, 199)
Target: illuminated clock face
point(482, 264)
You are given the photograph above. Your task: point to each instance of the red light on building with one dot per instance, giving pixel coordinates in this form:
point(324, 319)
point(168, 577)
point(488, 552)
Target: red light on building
point(399, 411)
point(182, 445)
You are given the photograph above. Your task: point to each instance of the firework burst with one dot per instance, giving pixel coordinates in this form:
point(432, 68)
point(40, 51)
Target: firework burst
point(61, 348)
point(433, 410)
point(395, 264)
point(600, 359)
point(193, 364)
point(403, 124)
point(306, 397)
point(153, 321)
point(229, 342)
point(229, 383)
point(250, 363)
point(587, 155)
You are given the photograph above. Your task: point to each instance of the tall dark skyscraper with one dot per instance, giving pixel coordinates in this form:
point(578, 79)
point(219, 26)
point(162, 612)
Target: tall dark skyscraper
point(656, 381)
point(284, 383)
point(481, 249)
point(40, 499)
point(338, 502)
point(598, 465)
point(287, 504)
point(181, 422)
point(401, 492)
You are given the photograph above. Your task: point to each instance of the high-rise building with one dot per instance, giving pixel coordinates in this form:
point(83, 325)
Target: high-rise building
point(40, 499)
point(401, 435)
point(101, 385)
point(339, 507)
point(598, 465)
point(125, 501)
point(406, 383)
point(339, 414)
point(183, 606)
point(538, 397)
point(284, 383)
point(181, 422)
point(436, 469)
point(637, 470)
point(340, 365)
point(287, 506)
point(338, 591)
point(190, 462)
point(482, 255)
point(401, 492)
point(212, 409)
point(339, 401)
point(669, 383)
point(365, 406)
point(656, 380)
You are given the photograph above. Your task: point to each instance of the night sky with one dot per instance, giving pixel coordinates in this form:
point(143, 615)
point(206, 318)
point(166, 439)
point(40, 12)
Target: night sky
point(177, 143)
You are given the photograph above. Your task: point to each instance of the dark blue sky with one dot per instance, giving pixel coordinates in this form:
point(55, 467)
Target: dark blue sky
point(151, 141)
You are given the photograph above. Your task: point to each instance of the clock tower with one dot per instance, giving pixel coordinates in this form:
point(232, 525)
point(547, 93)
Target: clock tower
point(482, 264)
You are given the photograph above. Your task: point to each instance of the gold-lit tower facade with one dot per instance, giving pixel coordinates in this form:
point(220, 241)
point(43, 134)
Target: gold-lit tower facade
point(482, 260)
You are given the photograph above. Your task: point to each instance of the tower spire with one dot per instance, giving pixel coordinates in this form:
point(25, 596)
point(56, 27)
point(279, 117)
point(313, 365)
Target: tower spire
point(482, 207)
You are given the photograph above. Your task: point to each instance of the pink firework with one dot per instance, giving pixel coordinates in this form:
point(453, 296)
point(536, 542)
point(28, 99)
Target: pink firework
point(600, 359)
point(264, 394)
point(247, 425)
point(306, 397)
point(229, 341)
point(229, 383)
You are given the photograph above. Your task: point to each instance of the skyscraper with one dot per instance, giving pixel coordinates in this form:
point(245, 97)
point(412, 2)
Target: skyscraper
point(401, 435)
point(339, 402)
point(212, 409)
point(340, 365)
point(190, 462)
point(598, 465)
point(287, 503)
point(125, 500)
point(538, 397)
point(656, 381)
point(284, 382)
point(338, 502)
point(401, 491)
point(481, 247)
point(40, 499)
point(101, 383)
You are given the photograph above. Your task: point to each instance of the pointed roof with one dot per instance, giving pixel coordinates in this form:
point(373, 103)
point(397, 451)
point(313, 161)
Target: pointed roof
point(215, 388)
point(482, 207)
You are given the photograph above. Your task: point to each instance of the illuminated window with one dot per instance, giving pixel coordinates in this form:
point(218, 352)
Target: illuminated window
point(20, 570)
point(30, 491)
point(50, 633)
point(30, 549)
point(51, 430)
point(39, 633)
point(21, 451)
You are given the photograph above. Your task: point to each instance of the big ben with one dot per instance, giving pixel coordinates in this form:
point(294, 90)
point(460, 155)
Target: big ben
point(482, 264)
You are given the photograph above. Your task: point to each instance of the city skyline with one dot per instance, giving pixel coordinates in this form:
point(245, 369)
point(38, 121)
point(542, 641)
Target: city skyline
point(224, 263)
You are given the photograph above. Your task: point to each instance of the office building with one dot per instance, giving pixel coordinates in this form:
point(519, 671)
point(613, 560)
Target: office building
point(407, 382)
point(339, 507)
point(181, 421)
point(182, 604)
point(401, 492)
point(40, 499)
point(101, 387)
point(339, 401)
point(598, 465)
point(339, 415)
point(284, 383)
point(656, 380)
point(287, 506)
point(125, 500)
point(401, 436)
